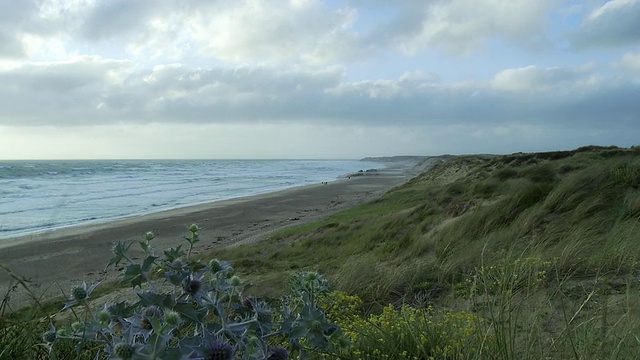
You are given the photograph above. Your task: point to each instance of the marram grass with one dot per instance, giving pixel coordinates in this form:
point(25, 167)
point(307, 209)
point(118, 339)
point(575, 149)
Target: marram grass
point(524, 256)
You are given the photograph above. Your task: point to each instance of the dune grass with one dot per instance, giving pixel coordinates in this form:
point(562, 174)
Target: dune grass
point(523, 256)
point(578, 208)
point(432, 239)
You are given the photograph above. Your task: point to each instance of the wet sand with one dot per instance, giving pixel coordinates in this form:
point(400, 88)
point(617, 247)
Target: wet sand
point(57, 260)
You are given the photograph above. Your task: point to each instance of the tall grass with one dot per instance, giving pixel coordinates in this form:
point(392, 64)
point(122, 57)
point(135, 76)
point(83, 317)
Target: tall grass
point(537, 252)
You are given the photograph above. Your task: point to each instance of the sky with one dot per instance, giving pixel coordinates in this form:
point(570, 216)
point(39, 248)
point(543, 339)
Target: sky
point(287, 79)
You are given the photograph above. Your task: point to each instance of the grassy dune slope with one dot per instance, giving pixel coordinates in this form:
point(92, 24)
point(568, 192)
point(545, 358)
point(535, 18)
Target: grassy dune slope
point(523, 256)
point(579, 208)
point(543, 248)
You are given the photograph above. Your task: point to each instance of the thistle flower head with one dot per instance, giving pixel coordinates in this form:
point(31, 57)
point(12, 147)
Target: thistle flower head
point(235, 281)
point(79, 292)
point(64, 332)
point(219, 350)
point(103, 316)
point(191, 286)
point(315, 325)
point(312, 276)
point(172, 318)
point(215, 266)
point(77, 326)
point(278, 353)
point(124, 351)
point(194, 228)
point(50, 335)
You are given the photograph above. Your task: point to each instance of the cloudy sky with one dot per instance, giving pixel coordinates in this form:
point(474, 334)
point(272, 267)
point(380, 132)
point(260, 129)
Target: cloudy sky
point(315, 78)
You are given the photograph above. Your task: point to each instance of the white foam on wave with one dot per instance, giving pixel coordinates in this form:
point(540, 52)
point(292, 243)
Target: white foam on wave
point(41, 196)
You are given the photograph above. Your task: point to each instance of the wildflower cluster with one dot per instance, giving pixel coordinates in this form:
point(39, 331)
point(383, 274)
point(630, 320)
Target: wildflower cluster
point(202, 312)
point(342, 308)
point(410, 333)
point(511, 275)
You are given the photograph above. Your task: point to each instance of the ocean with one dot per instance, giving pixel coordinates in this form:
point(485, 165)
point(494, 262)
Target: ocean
point(37, 196)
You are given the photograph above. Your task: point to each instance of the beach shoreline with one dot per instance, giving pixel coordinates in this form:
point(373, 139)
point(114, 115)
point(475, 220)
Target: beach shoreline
point(55, 261)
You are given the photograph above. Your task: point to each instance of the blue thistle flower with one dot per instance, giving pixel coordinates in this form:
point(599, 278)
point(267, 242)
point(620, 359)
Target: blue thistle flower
point(191, 286)
point(219, 350)
point(278, 353)
point(124, 351)
point(80, 293)
point(49, 336)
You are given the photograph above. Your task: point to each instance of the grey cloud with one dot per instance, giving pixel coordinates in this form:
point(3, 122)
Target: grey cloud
point(629, 63)
point(615, 106)
point(614, 24)
point(16, 12)
point(233, 31)
point(10, 46)
point(220, 83)
point(264, 94)
point(117, 17)
point(95, 91)
point(279, 32)
point(533, 78)
point(59, 93)
point(462, 26)
point(15, 17)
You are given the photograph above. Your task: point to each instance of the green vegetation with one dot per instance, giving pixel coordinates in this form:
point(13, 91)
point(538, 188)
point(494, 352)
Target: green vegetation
point(524, 256)
point(201, 312)
point(456, 236)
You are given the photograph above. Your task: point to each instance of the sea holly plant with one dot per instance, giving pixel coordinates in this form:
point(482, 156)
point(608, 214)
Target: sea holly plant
point(202, 312)
point(192, 238)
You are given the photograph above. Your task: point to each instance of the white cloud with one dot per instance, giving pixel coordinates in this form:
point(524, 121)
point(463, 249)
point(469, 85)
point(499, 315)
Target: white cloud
point(10, 46)
point(13, 15)
point(117, 18)
point(272, 32)
point(612, 6)
point(462, 26)
point(613, 24)
point(247, 31)
point(91, 90)
point(304, 68)
point(39, 46)
point(534, 78)
point(630, 63)
point(63, 92)
point(267, 31)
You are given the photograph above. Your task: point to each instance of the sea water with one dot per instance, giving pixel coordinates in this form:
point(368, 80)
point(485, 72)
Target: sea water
point(37, 196)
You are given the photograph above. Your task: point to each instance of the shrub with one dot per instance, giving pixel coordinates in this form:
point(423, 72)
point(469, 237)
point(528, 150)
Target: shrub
point(505, 174)
point(410, 333)
point(627, 176)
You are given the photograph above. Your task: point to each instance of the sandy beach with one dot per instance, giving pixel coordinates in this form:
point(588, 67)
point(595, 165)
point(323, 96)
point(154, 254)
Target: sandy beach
point(57, 260)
